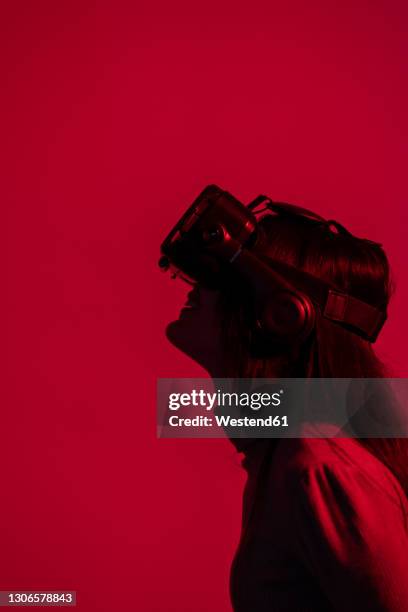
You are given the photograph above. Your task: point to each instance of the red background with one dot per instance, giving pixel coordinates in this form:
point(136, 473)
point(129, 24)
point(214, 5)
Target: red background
point(115, 116)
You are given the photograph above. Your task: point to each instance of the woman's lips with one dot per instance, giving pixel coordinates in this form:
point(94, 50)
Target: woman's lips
point(189, 306)
point(192, 302)
point(193, 298)
point(186, 310)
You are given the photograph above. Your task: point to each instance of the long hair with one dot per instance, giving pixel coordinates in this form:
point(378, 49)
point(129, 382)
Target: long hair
point(358, 267)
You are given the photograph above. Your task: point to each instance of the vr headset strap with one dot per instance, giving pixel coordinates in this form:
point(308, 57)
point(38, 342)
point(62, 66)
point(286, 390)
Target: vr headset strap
point(364, 319)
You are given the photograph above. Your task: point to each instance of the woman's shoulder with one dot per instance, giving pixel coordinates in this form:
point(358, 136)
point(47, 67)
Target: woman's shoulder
point(314, 449)
point(342, 513)
point(343, 460)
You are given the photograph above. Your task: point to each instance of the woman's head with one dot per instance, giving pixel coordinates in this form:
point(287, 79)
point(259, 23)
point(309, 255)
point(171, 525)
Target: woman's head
point(219, 334)
point(223, 325)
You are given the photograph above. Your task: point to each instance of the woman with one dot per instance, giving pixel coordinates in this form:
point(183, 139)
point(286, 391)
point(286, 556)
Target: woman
point(324, 520)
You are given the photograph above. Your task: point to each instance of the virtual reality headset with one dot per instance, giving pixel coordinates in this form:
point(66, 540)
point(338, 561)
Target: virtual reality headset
point(218, 238)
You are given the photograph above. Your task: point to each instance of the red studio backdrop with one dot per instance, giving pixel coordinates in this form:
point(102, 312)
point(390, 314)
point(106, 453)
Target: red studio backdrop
point(115, 116)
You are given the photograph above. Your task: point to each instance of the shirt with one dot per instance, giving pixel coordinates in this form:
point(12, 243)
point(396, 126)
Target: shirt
point(324, 528)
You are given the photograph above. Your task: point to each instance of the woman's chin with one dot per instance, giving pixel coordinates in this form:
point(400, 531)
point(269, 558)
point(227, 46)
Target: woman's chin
point(183, 335)
point(179, 335)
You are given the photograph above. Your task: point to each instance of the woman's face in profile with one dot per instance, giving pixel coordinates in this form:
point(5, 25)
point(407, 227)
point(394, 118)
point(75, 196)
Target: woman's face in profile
point(197, 331)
